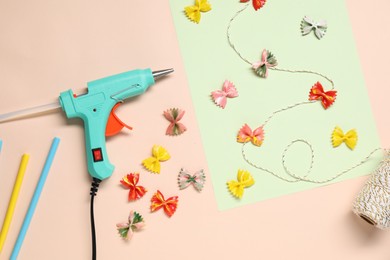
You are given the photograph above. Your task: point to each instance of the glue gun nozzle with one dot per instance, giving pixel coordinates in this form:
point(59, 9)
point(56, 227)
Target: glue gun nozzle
point(160, 73)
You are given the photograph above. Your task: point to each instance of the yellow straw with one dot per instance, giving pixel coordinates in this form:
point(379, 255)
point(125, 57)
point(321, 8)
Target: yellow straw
point(13, 199)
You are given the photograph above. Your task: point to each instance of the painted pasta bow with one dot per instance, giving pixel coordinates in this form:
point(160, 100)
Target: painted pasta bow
point(159, 154)
point(169, 205)
point(308, 25)
point(244, 180)
point(267, 61)
point(327, 98)
point(174, 115)
point(247, 135)
point(130, 181)
point(350, 138)
point(257, 4)
point(135, 222)
point(193, 12)
point(220, 96)
point(197, 179)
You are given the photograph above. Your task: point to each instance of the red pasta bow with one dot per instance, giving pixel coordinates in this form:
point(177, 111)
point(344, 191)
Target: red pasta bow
point(317, 93)
point(257, 4)
point(159, 202)
point(130, 181)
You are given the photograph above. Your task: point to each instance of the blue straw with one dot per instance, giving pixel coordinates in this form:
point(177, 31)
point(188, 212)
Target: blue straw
point(35, 198)
point(1, 144)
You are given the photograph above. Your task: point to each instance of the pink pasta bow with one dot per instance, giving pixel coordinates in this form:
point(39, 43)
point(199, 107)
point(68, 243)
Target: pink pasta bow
point(135, 222)
point(267, 61)
point(220, 96)
point(174, 115)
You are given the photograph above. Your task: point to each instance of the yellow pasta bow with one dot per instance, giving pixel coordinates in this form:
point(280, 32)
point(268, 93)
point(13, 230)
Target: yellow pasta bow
point(160, 154)
point(244, 180)
point(193, 12)
point(350, 138)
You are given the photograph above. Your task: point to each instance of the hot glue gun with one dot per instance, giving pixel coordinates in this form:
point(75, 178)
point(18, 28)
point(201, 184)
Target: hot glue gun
point(97, 110)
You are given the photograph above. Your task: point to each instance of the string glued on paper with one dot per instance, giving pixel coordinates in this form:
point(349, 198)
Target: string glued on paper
point(268, 60)
point(247, 55)
point(246, 135)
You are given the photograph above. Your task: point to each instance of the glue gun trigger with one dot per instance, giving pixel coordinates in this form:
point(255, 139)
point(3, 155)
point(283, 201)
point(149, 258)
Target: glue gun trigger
point(114, 124)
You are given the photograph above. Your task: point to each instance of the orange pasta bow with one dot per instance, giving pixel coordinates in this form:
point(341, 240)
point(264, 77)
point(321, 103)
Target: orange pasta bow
point(247, 135)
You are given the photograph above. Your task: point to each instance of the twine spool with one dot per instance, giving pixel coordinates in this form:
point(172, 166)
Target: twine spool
point(373, 202)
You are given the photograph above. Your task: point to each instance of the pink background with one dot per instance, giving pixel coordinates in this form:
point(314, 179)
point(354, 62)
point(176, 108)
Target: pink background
point(50, 46)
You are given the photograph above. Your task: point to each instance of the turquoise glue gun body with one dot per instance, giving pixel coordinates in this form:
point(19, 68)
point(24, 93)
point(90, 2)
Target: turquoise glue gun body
point(97, 107)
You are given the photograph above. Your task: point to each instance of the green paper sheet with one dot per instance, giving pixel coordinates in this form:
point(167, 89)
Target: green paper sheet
point(209, 61)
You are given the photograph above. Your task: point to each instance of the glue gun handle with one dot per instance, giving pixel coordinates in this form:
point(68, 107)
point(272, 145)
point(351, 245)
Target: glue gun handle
point(93, 110)
point(98, 164)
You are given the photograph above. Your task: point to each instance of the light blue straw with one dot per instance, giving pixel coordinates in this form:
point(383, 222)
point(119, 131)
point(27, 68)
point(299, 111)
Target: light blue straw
point(1, 144)
point(35, 198)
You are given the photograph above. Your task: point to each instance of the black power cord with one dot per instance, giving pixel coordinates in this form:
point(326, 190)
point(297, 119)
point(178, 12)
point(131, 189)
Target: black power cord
point(94, 189)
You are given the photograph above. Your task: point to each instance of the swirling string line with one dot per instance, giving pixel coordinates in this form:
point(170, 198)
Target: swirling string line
point(295, 177)
point(228, 34)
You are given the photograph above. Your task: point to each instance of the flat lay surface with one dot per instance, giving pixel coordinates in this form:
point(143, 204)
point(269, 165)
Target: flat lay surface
point(47, 47)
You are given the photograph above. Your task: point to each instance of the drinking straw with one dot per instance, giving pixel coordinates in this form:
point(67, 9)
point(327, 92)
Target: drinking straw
point(13, 199)
point(35, 198)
